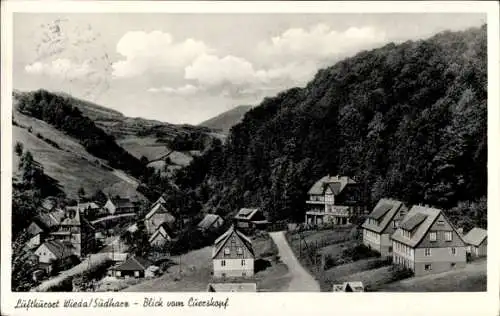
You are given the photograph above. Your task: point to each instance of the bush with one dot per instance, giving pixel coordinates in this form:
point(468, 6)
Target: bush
point(359, 252)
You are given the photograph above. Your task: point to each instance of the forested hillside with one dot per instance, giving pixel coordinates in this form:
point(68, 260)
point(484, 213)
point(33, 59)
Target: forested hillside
point(408, 121)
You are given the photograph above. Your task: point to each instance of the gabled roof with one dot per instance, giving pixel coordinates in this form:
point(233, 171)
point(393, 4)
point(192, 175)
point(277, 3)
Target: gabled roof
point(59, 248)
point(133, 263)
point(246, 213)
point(383, 212)
point(162, 230)
point(157, 208)
point(475, 236)
point(335, 183)
point(208, 221)
point(232, 287)
point(46, 220)
point(35, 229)
point(224, 238)
point(419, 220)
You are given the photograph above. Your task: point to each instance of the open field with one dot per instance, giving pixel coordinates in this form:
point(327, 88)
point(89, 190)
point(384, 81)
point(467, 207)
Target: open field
point(149, 148)
point(70, 170)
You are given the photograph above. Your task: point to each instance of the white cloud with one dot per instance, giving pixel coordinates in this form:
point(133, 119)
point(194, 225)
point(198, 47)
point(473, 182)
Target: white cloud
point(154, 51)
point(62, 68)
point(186, 90)
point(211, 70)
point(319, 42)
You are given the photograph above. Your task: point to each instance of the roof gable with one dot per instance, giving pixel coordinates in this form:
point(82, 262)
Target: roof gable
point(60, 249)
point(384, 212)
point(134, 263)
point(224, 239)
point(418, 220)
point(158, 208)
point(209, 220)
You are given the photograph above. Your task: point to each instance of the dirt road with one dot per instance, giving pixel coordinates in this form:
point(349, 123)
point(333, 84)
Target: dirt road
point(302, 281)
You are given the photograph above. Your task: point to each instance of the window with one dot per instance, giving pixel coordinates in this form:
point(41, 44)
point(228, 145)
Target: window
point(227, 251)
point(233, 241)
point(239, 250)
point(440, 222)
point(242, 262)
point(395, 224)
point(243, 274)
point(448, 236)
point(454, 251)
point(223, 263)
point(433, 236)
point(390, 249)
point(427, 252)
point(427, 267)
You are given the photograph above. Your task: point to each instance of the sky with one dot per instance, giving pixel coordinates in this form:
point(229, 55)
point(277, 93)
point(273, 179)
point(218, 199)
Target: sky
point(187, 68)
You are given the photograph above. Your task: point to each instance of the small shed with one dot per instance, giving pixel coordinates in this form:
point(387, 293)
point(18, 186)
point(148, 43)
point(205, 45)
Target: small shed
point(477, 242)
point(134, 266)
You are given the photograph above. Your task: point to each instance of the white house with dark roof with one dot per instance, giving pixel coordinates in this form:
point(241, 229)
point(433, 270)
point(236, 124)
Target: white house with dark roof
point(426, 242)
point(334, 200)
point(53, 251)
point(233, 255)
point(115, 206)
point(477, 242)
point(381, 223)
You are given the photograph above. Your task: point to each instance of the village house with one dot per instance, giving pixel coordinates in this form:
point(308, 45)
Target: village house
point(210, 222)
point(53, 252)
point(74, 228)
point(42, 225)
point(381, 223)
point(161, 236)
point(158, 215)
point(477, 242)
point(426, 242)
point(133, 266)
point(334, 200)
point(233, 255)
point(353, 286)
point(232, 287)
point(249, 219)
point(115, 206)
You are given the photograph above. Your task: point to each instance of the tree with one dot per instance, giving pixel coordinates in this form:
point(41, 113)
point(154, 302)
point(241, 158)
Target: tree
point(81, 193)
point(18, 149)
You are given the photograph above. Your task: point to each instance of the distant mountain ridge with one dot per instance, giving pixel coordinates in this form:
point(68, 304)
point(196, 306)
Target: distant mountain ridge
point(224, 121)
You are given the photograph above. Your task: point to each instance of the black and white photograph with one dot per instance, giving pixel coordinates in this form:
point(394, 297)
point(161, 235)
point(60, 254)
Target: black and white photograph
point(249, 152)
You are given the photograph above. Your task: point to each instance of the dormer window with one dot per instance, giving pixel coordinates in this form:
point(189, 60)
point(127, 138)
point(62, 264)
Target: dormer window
point(406, 233)
point(239, 250)
point(227, 251)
